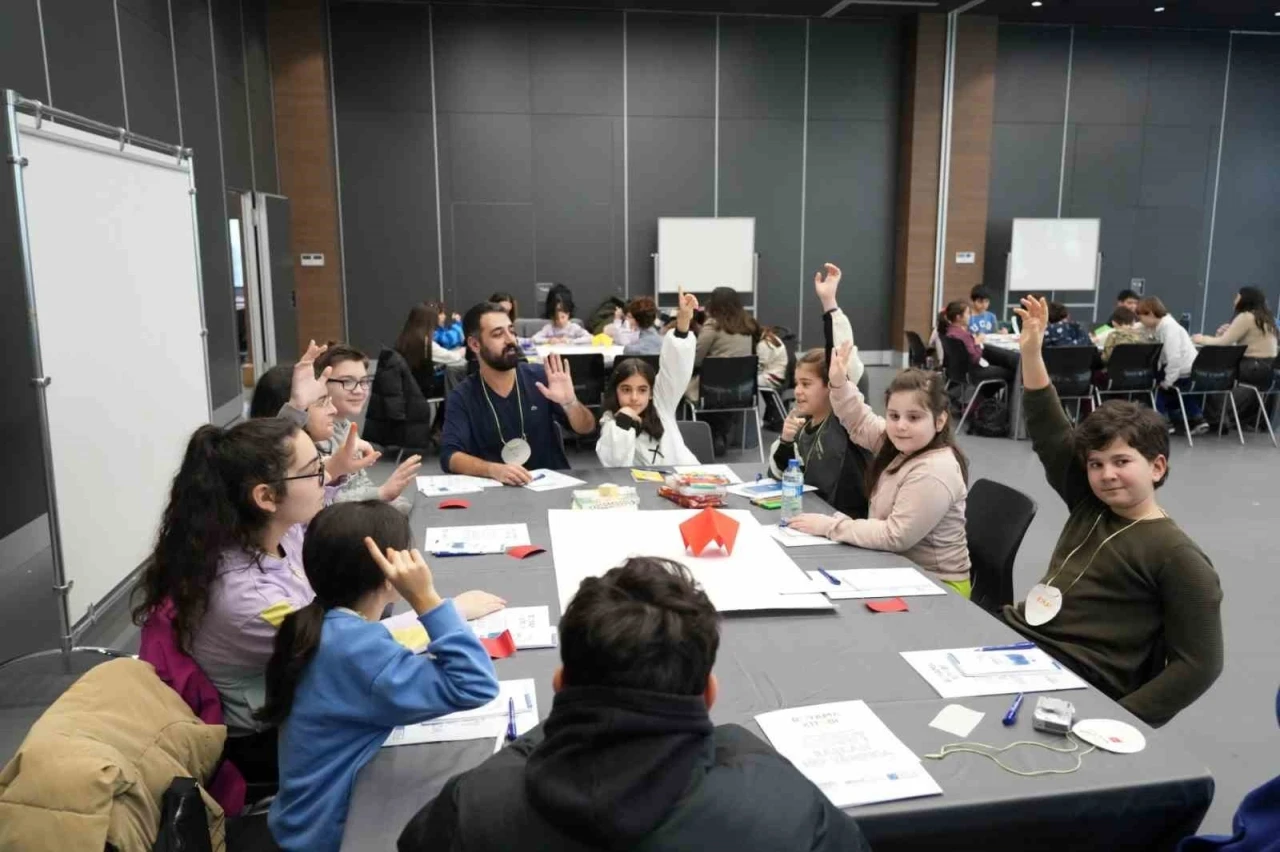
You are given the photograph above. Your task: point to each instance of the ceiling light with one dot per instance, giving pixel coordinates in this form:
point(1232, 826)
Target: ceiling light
point(1037, 4)
point(1159, 8)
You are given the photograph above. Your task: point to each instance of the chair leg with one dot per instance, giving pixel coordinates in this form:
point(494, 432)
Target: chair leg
point(759, 436)
point(1077, 420)
point(1262, 414)
point(1235, 413)
point(1152, 393)
point(1186, 424)
point(1222, 418)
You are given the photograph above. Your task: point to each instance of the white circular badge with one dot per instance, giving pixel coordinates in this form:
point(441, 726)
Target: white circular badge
point(516, 451)
point(1110, 735)
point(1044, 602)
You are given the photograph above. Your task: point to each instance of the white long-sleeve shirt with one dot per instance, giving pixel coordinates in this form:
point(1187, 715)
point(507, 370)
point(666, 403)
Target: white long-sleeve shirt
point(623, 447)
point(1179, 352)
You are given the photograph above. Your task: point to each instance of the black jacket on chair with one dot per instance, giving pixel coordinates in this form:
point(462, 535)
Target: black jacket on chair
point(399, 414)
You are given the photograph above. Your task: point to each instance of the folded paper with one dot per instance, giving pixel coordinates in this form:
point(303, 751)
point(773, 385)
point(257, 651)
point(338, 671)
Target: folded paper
point(708, 526)
point(455, 504)
point(499, 647)
point(524, 551)
point(889, 605)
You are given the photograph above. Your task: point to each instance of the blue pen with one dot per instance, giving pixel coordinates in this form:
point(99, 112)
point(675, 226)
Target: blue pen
point(835, 581)
point(511, 719)
point(1012, 715)
point(536, 478)
point(1016, 646)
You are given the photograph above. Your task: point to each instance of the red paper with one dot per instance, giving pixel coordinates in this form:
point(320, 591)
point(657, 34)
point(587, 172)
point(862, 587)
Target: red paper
point(708, 526)
point(454, 504)
point(524, 551)
point(501, 646)
point(888, 605)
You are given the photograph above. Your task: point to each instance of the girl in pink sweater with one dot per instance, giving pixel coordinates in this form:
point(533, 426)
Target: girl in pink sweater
point(917, 478)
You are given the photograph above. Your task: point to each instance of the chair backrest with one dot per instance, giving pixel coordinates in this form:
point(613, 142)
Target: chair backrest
point(1216, 368)
point(1070, 369)
point(697, 437)
point(955, 359)
point(588, 375)
point(527, 326)
point(917, 354)
point(1132, 366)
point(729, 382)
point(996, 519)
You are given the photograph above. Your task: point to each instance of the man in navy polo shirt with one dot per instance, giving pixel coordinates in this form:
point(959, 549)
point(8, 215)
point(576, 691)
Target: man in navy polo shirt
point(498, 424)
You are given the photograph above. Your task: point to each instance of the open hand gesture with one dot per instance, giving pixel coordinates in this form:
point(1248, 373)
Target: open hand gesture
point(1034, 315)
point(306, 387)
point(408, 574)
point(838, 372)
point(684, 311)
point(400, 479)
point(825, 283)
point(559, 386)
point(347, 460)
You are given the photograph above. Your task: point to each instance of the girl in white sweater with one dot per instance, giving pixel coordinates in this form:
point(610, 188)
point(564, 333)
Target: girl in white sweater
point(638, 426)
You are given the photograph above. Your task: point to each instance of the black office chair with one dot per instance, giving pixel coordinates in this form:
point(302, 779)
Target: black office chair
point(1132, 369)
point(728, 386)
point(399, 416)
point(697, 437)
point(588, 373)
point(917, 352)
point(1263, 393)
point(1071, 372)
point(996, 519)
point(1213, 373)
point(955, 365)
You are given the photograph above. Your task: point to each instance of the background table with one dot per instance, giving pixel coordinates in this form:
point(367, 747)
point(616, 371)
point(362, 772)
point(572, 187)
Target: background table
point(771, 661)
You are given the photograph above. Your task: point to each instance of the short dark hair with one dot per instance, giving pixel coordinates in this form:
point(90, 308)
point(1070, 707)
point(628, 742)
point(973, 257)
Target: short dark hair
point(1125, 295)
point(1057, 312)
point(643, 625)
point(643, 311)
point(1123, 316)
point(338, 353)
point(272, 391)
point(471, 319)
point(1152, 305)
point(979, 292)
point(1140, 428)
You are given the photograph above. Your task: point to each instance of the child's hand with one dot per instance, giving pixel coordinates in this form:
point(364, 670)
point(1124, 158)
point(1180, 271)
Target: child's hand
point(838, 372)
point(306, 388)
point(347, 460)
point(477, 604)
point(825, 285)
point(812, 523)
point(400, 479)
point(408, 574)
point(684, 311)
point(792, 426)
point(457, 317)
point(630, 412)
point(1034, 315)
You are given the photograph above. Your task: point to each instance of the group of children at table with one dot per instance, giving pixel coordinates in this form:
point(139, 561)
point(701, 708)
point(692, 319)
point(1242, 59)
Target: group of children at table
point(279, 555)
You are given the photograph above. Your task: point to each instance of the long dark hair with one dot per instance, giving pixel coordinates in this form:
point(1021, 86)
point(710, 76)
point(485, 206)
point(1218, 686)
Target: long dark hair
point(1255, 301)
point(726, 309)
point(272, 391)
point(503, 296)
point(949, 314)
point(931, 388)
point(418, 326)
point(211, 510)
point(340, 571)
point(649, 420)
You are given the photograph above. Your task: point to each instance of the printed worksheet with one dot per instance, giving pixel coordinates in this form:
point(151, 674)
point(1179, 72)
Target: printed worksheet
point(482, 723)
point(465, 541)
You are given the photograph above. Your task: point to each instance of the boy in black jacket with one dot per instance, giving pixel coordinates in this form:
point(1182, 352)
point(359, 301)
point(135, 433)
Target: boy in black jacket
point(628, 758)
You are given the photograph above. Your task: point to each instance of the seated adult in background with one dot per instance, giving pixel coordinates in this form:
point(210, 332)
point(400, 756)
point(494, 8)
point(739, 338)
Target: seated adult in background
point(644, 313)
point(1254, 327)
point(981, 320)
point(1129, 602)
point(1124, 328)
point(1062, 331)
point(1124, 299)
point(729, 332)
point(498, 423)
point(628, 757)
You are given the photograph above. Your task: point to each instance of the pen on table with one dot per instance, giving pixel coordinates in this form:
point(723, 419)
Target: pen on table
point(511, 719)
point(1015, 646)
point(536, 478)
point(1012, 715)
point(833, 580)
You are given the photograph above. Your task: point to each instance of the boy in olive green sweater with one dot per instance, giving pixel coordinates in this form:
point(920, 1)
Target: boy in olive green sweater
point(1129, 602)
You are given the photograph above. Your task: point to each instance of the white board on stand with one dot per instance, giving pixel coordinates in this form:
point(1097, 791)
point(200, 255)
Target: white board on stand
point(1054, 255)
point(701, 254)
point(757, 576)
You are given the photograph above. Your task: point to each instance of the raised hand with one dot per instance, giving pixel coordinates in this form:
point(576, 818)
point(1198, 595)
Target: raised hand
point(792, 425)
point(306, 387)
point(510, 474)
point(825, 283)
point(347, 460)
point(559, 386)
point(477, 604)
point(684, 311)
point(1034, 315)
point(457, 317)
point(408, 575)
point(838, 372)
point(399, 480)
point(812, 523)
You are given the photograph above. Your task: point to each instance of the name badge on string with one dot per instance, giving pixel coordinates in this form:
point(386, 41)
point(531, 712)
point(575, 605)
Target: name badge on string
point(516, 451)
point(1044, 602)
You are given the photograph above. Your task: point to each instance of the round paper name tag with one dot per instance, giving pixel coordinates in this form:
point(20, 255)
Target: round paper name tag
point(1043, 603)
point(516, 451)
point(1110, 735)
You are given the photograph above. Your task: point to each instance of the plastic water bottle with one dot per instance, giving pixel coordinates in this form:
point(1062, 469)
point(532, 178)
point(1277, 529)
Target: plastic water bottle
point(792, 490)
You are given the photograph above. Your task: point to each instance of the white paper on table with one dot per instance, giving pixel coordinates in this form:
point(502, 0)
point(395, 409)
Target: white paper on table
point(856, 583)
point(848, 752)
point(482, 723)
point(711, 470)
point(444, 486)
point(794, 538)
point(937, 668)
point(550, 480)
point(975, 662)
point(530, 626)
point(486, 538)
point(957, 719)
point(762, 487)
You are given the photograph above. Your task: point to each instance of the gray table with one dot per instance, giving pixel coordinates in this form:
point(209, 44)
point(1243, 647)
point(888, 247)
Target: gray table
point(767, 662)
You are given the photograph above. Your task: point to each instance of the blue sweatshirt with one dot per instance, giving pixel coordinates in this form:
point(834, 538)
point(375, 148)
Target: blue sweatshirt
point(360, 685)
point(449, 336)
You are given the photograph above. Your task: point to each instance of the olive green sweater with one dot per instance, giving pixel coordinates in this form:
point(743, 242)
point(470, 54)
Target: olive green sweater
point(1143, 624)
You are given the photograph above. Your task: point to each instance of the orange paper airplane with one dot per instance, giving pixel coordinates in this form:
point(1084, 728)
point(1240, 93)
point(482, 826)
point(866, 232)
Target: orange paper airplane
point(708, 526)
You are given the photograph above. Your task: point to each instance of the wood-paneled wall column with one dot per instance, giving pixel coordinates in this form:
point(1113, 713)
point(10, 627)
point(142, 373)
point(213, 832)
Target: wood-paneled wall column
point(297, 34)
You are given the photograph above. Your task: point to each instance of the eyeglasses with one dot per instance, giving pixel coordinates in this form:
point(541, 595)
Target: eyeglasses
point(318, 475)
point(349, 384)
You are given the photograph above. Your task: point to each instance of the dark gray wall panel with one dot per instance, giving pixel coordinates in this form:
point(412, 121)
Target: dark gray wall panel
point(482, 59)
point(1187, 70)
point(849, 221)
point(573, 159)
point(191, 28)
point(1109, 76)
point(84, 62)
point(575, 247)
point(493, 250)
point(237, 142)
point(854, 70)
point(1024, 184)
point(492, 157)
point(671, 65)
point(1168, 251)
point(1105, 168)
point(672, 166)
point(1177, 166)
point(1031, 75)
point(262, 131)
point(381, 57)
point(148, 77)
point(575, 61)
point(154, 12)
point(761, 68)
point(21, 58)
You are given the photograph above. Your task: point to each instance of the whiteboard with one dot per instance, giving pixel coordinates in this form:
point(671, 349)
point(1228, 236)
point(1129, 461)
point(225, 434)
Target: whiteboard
point(753, 577)
point(703, 254)
point(1054, 254)
point(113, 259)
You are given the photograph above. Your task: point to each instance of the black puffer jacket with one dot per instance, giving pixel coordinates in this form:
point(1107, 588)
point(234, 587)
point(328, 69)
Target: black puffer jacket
point(399, 414)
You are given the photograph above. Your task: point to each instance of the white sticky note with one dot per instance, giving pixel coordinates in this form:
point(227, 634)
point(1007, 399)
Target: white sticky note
point(956, 719)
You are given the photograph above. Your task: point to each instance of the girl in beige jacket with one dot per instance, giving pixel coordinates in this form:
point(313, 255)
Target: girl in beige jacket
point(917, 478)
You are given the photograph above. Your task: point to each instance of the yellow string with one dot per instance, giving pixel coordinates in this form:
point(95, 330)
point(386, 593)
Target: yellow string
point(976, 748)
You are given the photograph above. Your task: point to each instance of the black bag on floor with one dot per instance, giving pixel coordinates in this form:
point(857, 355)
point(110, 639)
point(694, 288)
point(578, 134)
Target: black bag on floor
point(990, 418)
point(184, 826)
